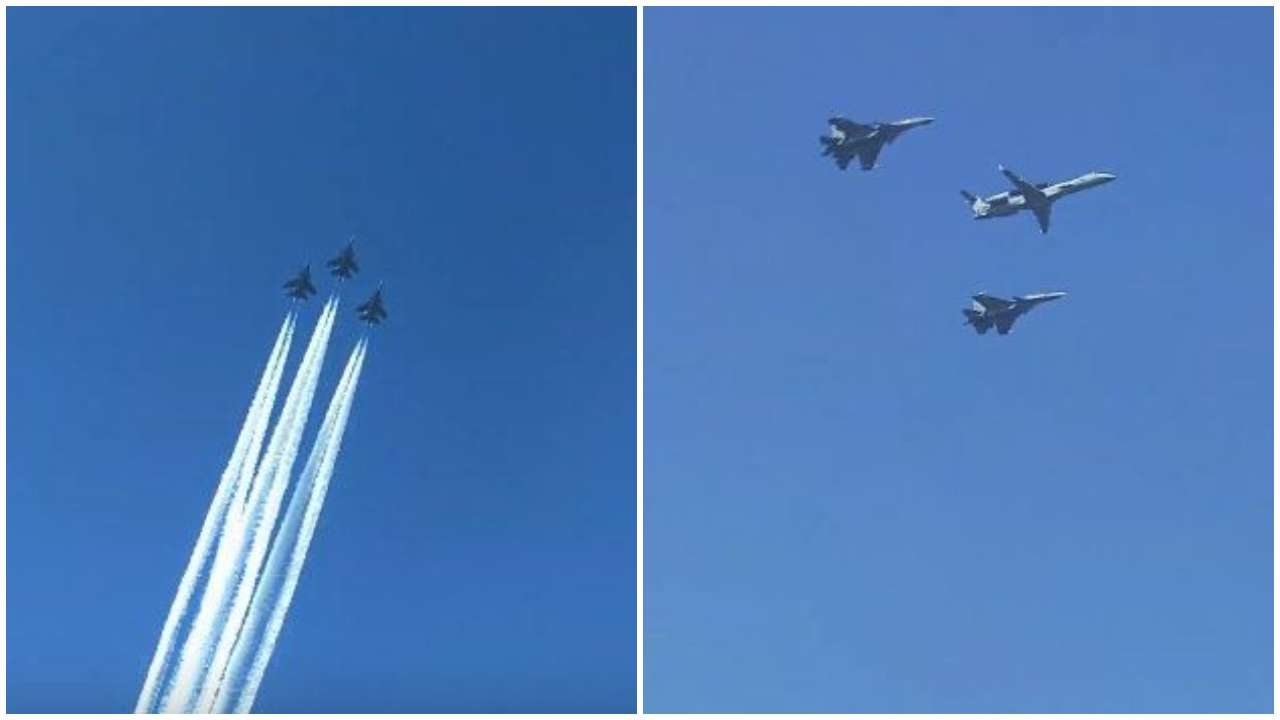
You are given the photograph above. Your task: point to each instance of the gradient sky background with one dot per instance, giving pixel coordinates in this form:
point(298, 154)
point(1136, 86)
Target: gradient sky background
point(853, 502)
point(167, 171)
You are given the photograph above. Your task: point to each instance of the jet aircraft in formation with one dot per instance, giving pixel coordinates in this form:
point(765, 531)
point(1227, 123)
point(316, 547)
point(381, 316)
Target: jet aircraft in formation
point(344, 267)
point(988, 310)
point(1036, 197)
point(848, 139)
point(300, 287)
point(371, 310)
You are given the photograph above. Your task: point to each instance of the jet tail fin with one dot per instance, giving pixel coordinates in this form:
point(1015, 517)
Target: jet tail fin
point(981, 324)
point(828, 144)
point(969, 196)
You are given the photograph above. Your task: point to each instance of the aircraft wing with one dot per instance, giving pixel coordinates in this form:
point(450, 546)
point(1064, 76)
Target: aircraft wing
point(1029, 190)
point(849, 127)
point(991, 303)
point(867, 155)
point(1004, 323)
point(1042, 216)
point(1017, 180)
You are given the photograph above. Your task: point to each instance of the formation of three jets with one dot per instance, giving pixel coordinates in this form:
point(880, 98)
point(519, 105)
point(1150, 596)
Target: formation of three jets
point(847, 140)
point(343, 267)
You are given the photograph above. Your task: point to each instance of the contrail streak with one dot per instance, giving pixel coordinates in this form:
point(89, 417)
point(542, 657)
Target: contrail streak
point(275, 591)
point(262, 510)
point(216, 606)
point(245, 451)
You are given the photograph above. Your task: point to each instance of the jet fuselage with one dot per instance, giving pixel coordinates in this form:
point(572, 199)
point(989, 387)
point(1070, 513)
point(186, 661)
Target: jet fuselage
point(988, 311)
point(1010, 202)
point(847, 139)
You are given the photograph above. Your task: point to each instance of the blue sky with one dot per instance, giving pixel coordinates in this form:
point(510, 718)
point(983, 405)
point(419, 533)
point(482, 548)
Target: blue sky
point(167, 170)
point(853, 502)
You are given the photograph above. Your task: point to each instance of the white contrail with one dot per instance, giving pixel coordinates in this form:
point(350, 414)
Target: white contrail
point(222, 610)
point(260, 513)
point(275, 590)
point(245, 450)
point(229, 566)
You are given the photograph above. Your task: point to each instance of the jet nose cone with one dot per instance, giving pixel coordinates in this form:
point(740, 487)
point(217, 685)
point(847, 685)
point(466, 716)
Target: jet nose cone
point(1105, 177)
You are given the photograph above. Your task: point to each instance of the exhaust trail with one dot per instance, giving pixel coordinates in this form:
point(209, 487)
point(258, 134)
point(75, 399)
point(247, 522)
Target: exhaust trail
point(260, 513)
point(275, 591)
point(244, 451)
point(229, 566)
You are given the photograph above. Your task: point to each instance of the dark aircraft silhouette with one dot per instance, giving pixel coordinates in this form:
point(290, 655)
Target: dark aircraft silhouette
point(371, 310)
point(848, 139)
point(988, 310)
point(300, 287)
point(344, 266)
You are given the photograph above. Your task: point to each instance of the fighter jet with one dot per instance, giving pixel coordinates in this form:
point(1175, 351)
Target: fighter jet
point(988, 310)
point(849, 139)
point(344, 265)
point(1036, 197)
point(300, 287)
point(371, 310)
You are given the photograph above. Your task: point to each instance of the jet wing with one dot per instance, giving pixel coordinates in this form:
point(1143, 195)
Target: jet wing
point(1018, 182)
point(850, 128)
point(867, 155)
point(1042, 216)
point(991, 303)
point(1004, 323)
point(1033, 194)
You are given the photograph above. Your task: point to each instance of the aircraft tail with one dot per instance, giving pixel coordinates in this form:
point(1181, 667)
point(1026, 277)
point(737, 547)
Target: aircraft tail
point(976, 204)
point(828, 144)
point(977, 319)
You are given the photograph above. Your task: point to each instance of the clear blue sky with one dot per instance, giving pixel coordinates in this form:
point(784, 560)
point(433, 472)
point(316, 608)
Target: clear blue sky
point(167, 170)
point(853, 502)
